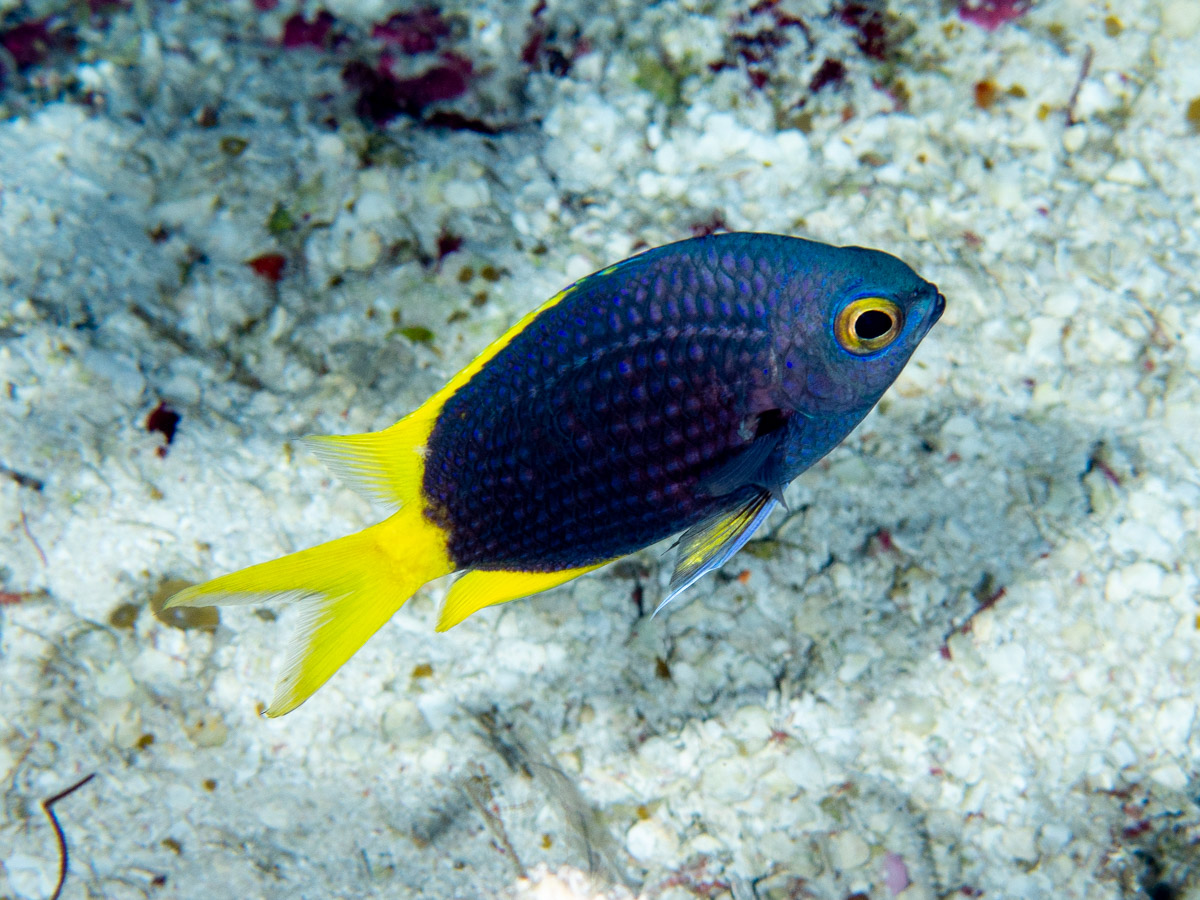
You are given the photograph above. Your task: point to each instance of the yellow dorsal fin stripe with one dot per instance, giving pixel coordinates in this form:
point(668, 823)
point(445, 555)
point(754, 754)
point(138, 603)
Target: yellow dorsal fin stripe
point(480, 588)
point(386, 466)
point(350, 588)
point(434, 404)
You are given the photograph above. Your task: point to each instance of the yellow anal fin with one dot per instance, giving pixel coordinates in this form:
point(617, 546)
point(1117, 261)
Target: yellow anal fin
point(479, 588)
point(352, 585)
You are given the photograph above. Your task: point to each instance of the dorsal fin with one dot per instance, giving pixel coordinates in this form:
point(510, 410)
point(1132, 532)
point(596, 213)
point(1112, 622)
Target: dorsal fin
point(385, 466)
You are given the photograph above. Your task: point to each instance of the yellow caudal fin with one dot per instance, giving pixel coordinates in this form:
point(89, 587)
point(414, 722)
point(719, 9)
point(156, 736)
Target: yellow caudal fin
point(352, 585)
point(480, 588)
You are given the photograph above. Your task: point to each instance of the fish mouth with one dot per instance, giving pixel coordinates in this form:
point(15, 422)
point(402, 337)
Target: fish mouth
point(939, 307)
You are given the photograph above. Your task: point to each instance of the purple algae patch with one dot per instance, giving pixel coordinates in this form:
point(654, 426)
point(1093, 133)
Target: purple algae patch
point(870, 22)
point(831, 72)
point(447, 243)
point(549, 48)
point(417, 31)
point(756, 37)
point(714, 223)
point(991, 14)
point(300, 32)
point(382, 96)
point(537, 35)
point(165, 421)
point(30, 42)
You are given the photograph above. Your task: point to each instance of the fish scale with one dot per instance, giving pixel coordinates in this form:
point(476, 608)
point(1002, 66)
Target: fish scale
point(643, 400)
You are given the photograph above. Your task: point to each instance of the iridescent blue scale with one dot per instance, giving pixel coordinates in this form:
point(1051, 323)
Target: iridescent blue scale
point(600, 414)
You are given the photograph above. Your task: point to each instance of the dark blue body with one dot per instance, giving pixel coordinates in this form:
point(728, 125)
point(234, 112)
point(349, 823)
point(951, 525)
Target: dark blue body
point(618, 416)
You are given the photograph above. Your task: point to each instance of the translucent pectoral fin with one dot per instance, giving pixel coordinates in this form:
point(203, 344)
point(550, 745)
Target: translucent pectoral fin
point(480, 588)
point(709, 545)
point(749, 466)
point(758, 462)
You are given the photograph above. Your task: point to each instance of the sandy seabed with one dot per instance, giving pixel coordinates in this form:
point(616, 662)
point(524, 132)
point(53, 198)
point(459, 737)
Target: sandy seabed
point(965, 663)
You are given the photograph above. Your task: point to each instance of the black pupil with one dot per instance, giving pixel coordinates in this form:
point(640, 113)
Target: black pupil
point(874, 323)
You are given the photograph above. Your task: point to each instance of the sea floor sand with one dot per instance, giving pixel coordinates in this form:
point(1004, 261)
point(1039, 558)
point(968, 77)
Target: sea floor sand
point(965, 664)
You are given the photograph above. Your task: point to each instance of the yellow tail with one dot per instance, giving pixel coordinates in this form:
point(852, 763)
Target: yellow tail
point(353, 585)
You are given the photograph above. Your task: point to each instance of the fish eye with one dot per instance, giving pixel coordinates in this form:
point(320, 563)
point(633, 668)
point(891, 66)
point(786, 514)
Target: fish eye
point(868, 324)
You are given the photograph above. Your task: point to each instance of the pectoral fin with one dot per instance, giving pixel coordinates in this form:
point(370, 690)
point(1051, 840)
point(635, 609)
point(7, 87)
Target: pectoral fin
point(747, 467)
point(755, 463)
point(709, 545)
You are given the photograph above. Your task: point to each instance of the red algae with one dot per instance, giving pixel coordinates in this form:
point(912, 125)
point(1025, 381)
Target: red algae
point(30, 42)
point(417, 31)
point(447, 243)
point(383, 96)
point(300, 32)
point(549, 49)
point(991, 14)
point(269, 266)
point(832, 72)
point(537, 35)
point(757, 35)
point(870, 21)
point(165, 421)
point(716, 222)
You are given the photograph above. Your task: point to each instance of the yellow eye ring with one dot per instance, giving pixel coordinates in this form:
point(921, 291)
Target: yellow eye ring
point(868, 324)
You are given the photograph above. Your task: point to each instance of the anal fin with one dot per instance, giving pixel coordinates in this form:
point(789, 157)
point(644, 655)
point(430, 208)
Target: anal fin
point(709, 545)
point(481, 588)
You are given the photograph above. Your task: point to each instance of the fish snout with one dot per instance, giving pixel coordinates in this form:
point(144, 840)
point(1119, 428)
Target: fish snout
point(939, 307)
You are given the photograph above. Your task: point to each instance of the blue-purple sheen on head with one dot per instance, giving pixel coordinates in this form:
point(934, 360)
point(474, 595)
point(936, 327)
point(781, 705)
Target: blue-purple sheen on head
point(820, 376)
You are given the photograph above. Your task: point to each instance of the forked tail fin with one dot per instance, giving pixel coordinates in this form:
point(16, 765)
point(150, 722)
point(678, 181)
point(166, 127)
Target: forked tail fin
point(351, 586)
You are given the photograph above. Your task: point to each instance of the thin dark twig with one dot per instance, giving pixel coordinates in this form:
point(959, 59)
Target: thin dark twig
point(1084, 69)
point(48, 807)
point(32, 539)
point(27, 481)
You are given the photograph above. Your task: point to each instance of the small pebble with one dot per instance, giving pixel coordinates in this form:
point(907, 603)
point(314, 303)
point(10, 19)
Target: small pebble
point(849, 851)
point(649, 841)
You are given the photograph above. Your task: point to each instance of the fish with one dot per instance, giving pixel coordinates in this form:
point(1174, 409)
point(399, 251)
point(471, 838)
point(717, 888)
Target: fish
point(679, 390)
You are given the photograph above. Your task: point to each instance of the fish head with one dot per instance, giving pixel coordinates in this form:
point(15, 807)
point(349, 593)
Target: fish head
point(854, 320)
